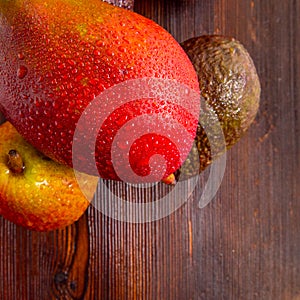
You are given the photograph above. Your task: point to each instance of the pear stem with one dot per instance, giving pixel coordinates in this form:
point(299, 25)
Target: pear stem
point(15, 162)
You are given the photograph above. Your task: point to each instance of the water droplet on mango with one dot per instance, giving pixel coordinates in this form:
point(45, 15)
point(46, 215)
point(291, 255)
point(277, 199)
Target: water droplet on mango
point(21, 56)
point(22, 72)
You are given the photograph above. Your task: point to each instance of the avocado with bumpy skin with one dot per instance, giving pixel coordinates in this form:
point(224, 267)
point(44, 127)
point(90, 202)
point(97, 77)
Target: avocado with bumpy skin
point(229, 84)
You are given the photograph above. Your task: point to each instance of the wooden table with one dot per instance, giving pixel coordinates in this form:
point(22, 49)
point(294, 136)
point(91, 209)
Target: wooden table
point(244, 245)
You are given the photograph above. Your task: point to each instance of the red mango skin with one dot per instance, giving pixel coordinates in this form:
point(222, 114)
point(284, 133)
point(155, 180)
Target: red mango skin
point(57, 56)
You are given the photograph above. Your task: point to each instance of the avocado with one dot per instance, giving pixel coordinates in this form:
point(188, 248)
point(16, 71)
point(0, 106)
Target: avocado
point(229, 84)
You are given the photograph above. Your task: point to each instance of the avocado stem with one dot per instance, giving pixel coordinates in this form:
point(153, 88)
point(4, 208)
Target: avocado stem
point(15, 162)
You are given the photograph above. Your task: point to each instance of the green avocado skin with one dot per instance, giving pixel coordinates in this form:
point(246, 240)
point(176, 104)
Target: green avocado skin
point(229, 84)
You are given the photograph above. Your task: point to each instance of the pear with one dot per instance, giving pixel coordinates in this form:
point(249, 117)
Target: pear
point(36, 192)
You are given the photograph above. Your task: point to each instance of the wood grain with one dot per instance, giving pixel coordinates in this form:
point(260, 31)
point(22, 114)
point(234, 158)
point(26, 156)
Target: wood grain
point(244, 245)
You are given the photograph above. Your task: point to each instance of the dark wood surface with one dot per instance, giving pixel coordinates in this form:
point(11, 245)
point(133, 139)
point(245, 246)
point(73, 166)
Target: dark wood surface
point(244, 245)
